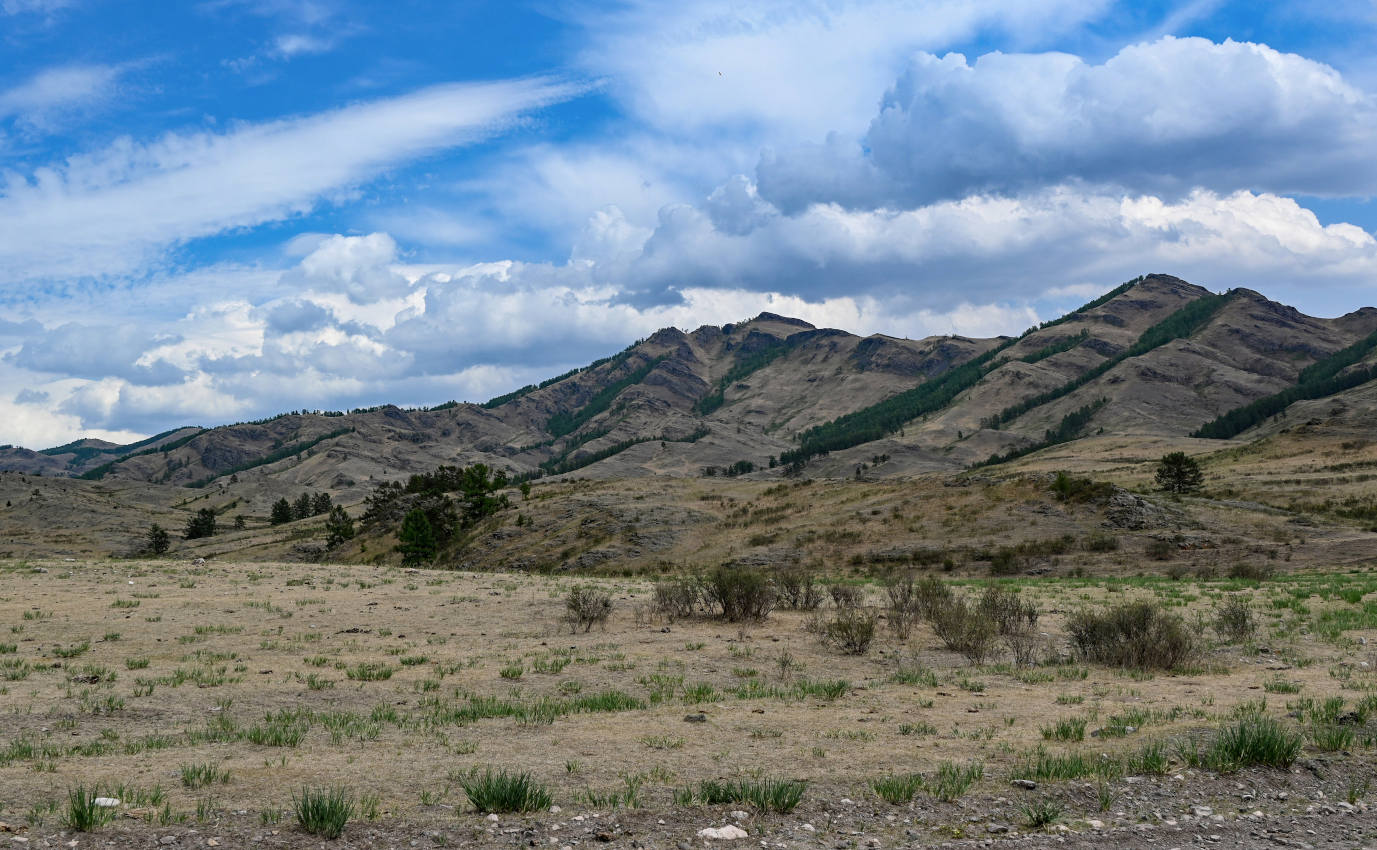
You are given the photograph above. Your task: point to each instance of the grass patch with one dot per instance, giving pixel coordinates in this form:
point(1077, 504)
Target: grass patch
point(323, 811)
point(501, 791)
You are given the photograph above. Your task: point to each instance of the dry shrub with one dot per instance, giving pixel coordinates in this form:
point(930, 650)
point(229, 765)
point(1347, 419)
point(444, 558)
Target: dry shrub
point(676, 598)
point(1138, 635)
point(931, 595)
point(1233, 619)
point(846, 595)
point(1015, 620)
point(902, 594)
point(852, 630)
point(585, 606)
point(964, 629)
point(798, 588)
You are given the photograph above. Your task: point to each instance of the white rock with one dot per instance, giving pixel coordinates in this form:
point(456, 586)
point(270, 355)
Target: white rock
point(1202, 811)
point(1095, 824)
point(725, 833)
point(808, 827)
point(739, 815)
point(554, 810)
point(847, 802)
point(107, 802)
point(493, 818)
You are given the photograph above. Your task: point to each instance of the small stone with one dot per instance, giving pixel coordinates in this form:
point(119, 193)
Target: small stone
point(739, 815)
point(168, 839)
point(107, 802)
point(554, 810)
point(1095, 824)
point(725, 833)
point(996, 829)
point(847, 801)
point(1202, 811)
point(492, 818)
point(808, 827)
point(1025, 784)
point(212, 842)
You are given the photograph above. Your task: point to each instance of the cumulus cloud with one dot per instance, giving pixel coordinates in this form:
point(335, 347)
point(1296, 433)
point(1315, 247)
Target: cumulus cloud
point(113, 211)
point(1163, 118)
point(96, 351)
point(357, 266)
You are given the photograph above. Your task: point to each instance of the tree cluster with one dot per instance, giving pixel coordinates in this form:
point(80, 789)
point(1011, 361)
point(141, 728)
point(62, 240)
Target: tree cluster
point(430, 518)
point(200, 524)
point(306, 505)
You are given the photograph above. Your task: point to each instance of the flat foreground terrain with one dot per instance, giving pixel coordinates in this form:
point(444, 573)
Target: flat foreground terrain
point(206, 697)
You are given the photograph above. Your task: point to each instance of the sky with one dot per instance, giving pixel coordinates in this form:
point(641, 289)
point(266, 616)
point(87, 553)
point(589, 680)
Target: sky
point(217, 210)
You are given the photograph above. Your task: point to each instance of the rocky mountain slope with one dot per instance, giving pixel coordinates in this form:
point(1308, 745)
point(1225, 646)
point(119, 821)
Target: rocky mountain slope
point(1155, 357)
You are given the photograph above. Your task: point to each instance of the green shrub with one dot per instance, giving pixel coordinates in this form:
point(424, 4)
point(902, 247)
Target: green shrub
point(500, 791)
point(1101, 542)
point(323, 811)
point(1251, 572)
point(740, 593)
point(1137, 635)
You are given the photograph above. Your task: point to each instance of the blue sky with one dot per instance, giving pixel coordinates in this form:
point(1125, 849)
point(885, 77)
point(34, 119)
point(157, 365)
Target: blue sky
point(216, 211)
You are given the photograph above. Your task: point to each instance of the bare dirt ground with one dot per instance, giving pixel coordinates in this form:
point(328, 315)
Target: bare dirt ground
point(395, 684)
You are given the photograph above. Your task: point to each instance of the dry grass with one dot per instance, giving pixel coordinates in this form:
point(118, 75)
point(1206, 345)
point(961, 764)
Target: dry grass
point(254, 668)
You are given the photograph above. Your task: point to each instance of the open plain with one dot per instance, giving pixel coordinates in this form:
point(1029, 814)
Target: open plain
point(206, 697)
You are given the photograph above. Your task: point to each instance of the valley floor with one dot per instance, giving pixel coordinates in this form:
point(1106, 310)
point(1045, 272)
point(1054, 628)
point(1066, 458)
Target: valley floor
point(206, 697)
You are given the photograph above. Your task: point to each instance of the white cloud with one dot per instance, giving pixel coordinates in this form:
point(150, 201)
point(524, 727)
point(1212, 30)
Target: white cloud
point(42, 7)
point(799, 69)
point(53, 94)
point(296, 44)
point(1162, 117)
point(112, 212)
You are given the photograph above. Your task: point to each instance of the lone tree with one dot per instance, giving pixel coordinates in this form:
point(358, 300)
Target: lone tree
point(200, 525)
point(158, 540)
point(282, 511)
point(1177, 473)
point(417, 539)
point(338, 527)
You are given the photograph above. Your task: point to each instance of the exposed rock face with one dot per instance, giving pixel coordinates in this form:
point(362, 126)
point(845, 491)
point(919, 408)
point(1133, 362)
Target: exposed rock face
point(1134, 513)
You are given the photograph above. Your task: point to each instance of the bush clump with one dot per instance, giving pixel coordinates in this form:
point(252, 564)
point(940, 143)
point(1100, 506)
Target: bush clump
point(740, 593)
point(798, 589)
point(586, 606)
point(962, 628)
point(676, 598)
point(852, 630)
point(1138, 635)
point(1233, 619)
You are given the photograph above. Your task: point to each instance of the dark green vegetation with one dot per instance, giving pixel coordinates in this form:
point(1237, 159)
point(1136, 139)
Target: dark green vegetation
point(429, 520)
point(1179, 473)
point(1318, 380)
point(741, 369)
point(567, 422)
point(100, 471)
point(1179, 325)
point(1070, 427)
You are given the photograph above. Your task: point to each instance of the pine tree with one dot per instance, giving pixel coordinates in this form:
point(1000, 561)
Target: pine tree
point(200, 525)
point(1179, 473)
point(338, 527)
point(321, 504)
point(282, 511)
point(417, 539)
point(302, 508)
point(158, 540)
